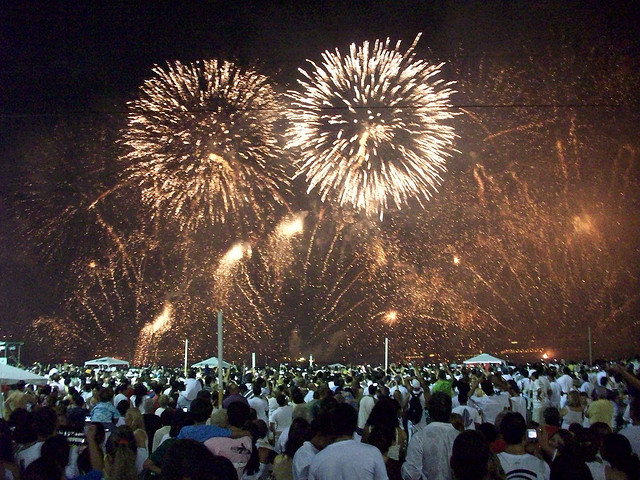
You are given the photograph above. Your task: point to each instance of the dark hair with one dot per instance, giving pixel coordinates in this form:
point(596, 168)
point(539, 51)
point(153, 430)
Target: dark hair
point(201, 410)
point(513, 428)
point(42, 469)
point(281, 399)
point(470, 456)
point(238, 414)
point(123, 406)
point(299, 432)
point(551, 416)
point(616, 449)
point(45, 421)
point(384, 412)
point(344, 419)
point(56, 449)
point(381, 437)
point(439, 407)
point(191, 459)
point(121, 446)
point(105, 394)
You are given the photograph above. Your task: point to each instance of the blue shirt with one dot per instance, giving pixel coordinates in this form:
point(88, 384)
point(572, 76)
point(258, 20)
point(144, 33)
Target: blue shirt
point(105, 412)
point(202, 433)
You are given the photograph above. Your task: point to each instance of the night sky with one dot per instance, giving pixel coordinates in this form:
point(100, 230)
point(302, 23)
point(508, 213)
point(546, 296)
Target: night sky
point(557, 76)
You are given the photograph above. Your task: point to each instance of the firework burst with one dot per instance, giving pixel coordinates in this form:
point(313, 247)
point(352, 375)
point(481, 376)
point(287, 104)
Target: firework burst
point(371, 127)
point(203, 145)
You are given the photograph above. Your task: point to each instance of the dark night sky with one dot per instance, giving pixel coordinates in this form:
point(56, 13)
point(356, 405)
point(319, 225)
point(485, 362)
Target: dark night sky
point(75, 59)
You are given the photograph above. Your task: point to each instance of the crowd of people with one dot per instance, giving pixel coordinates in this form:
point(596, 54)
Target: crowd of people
point(435, 422)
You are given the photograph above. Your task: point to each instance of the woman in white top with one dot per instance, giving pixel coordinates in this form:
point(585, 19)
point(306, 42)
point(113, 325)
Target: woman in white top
point(572, 412)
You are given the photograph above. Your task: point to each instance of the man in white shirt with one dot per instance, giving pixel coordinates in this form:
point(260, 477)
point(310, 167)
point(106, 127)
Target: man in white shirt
point(513, 429)
point(322, 435)
point(282, 416)
point(491, 403)
point(191, 388)
point(430, 448)
point(632, 432)
point(470, 416)
point(259, 404)
point(366, 405)
point(346, 458)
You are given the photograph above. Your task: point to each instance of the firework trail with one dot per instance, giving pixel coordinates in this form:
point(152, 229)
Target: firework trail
point(371, 127)
point(276, 309)
point(202, 144)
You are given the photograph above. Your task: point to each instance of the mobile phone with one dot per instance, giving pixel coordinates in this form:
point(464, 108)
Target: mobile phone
point(185, 409)
point(532, 433)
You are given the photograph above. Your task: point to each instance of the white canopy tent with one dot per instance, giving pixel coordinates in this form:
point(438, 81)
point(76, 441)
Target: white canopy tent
point(11, 375)
point(106, 362)
point(210, 362)
point(482, 359)
point(336, 365)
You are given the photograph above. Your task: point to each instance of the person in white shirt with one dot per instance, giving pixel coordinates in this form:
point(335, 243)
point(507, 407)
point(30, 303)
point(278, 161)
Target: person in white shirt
point(513, 429)
point(346, 458)
point(540, 397)
point(632, 432)
point(364, 409)
point(282, 416)
point(470, 416)
point(322, 435)
point(430, 448)
point(259, 404)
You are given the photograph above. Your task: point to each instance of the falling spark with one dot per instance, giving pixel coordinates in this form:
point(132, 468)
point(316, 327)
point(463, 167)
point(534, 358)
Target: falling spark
point(371, 127)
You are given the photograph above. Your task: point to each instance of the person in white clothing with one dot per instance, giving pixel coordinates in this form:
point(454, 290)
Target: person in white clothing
point(632, 432)
point(513, 429)
point(322, 435)
point(430, 448)
point(364, 409)
point(470, 416)
point(345, 458)
point(259, 404)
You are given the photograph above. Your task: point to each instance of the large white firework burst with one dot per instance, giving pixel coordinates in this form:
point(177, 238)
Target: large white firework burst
point(371, 126)
point(202, 142)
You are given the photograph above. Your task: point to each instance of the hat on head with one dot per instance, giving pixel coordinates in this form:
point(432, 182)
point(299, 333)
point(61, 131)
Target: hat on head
point(415, 383)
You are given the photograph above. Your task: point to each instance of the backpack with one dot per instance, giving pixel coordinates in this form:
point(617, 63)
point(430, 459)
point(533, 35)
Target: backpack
point(414, 410)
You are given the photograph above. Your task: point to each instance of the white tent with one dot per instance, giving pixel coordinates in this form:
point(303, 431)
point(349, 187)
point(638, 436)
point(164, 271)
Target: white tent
point(211, 362)
point(483, 358)
point(106, 362)
point(11, 375)
point(336, 365)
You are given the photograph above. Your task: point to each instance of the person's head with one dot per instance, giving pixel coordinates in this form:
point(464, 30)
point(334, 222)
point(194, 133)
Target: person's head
point(561, 440)
point(189, 459)
point(281, 399)
point(163, 401)
point(551, 416)
point(384, 412)
point(573, 399)
point(587, 445)
point(45, 422)
point(344, 419)
point(105, 394)
point(463, 398)
point(322, 430)
point(200, 410)
point(470, 456)
point(147, 404)
point(513, 428)
point(56, 449)
point(439, 407)
point(43, 469)
point(123, 406)
point(238, 414)
point(381, 437)
point(257, 389)
point(616, 450)
point(133, 418)
point(487, 387)
point(299, 432)
point(120, 458)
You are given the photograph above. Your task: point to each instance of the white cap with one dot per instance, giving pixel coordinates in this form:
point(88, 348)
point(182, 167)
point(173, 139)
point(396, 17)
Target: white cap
point(415, 383)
